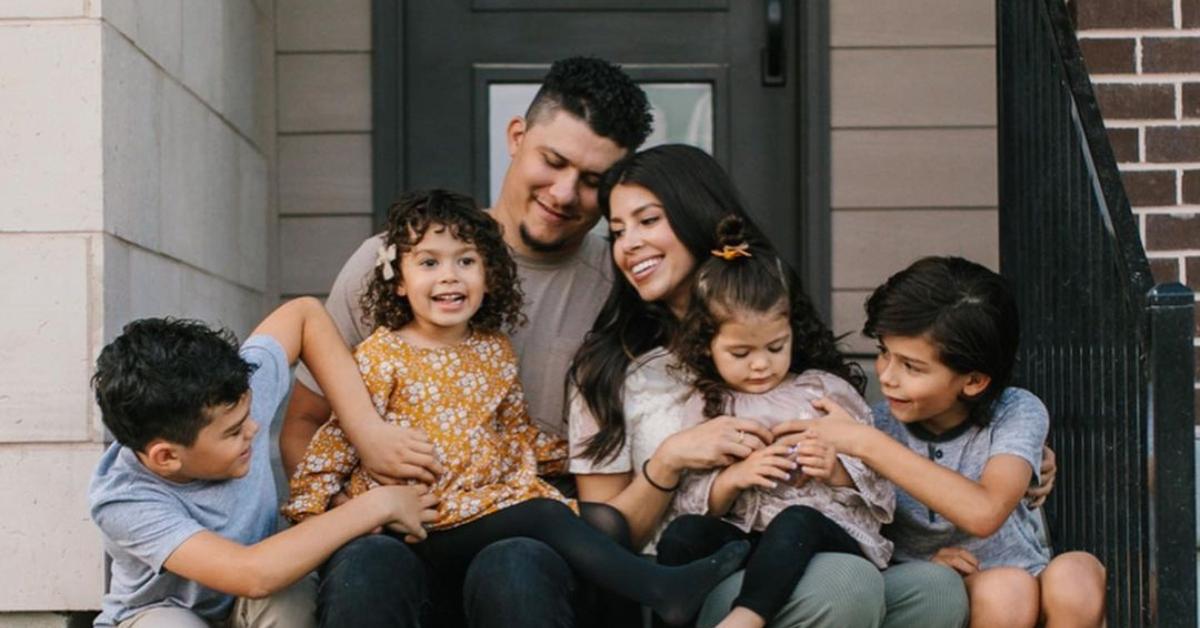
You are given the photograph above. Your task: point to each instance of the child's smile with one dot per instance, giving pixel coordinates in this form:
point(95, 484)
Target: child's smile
point(919, 388)
point(444, 281)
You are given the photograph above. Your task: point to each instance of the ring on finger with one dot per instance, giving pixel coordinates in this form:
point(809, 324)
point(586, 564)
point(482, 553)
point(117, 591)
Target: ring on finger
point(741, 436)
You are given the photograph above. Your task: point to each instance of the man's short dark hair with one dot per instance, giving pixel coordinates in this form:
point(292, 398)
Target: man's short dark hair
point(162, 376)
point(600, 94)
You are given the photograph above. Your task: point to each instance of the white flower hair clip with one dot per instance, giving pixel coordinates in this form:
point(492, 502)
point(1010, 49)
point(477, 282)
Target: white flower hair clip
point(384, 258)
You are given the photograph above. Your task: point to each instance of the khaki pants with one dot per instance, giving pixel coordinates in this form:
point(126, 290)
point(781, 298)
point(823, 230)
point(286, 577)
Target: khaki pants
point(294, 606)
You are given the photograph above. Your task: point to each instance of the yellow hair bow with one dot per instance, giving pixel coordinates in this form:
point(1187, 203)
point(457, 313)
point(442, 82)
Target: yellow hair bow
point(730, 253)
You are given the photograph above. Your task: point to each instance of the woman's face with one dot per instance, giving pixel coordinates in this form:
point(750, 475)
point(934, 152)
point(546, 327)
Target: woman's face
point(645, 248)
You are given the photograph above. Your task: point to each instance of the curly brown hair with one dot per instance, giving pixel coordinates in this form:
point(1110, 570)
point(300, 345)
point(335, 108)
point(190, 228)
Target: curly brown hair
point(758, 282)
point(409, 218)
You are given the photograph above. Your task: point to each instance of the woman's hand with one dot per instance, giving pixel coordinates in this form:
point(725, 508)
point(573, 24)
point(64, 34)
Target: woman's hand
point(1036, 495)
point(718, 442)
point(764, 468)
point(958, 559)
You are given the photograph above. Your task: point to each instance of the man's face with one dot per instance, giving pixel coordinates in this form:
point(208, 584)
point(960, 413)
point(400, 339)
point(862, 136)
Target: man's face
point(548, 199)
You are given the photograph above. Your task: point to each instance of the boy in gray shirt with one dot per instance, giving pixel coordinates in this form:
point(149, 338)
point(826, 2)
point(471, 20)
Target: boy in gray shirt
point(1018, 427)
point(185, 498)
point(962, 446)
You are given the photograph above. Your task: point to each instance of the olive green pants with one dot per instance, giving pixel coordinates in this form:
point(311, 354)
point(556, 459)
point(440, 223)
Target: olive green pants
point(846, 591)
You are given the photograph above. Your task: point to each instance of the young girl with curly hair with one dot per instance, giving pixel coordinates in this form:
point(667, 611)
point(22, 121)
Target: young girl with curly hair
point(793, 498)
point(443, 288)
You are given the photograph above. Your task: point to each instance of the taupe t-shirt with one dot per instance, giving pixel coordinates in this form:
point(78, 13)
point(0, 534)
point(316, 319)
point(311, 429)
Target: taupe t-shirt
point(562, 299)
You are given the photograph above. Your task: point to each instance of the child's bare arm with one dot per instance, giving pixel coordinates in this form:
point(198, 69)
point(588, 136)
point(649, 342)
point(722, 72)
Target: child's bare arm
point(978, 508)
point(274, 563)
point(306, 331)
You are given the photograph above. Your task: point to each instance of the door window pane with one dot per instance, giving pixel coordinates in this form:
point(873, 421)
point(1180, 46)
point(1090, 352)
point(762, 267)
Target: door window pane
point(683, 113)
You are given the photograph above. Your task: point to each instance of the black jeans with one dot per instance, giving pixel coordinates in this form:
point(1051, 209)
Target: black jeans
point(379, 581)
point(781, 552)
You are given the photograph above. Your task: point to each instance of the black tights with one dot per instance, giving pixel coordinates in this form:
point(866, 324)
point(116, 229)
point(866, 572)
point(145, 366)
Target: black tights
point(781, 552)
point(675, 593)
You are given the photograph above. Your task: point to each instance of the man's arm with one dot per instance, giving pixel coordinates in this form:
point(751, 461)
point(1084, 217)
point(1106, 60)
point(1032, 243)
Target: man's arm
point(276, 562)
point(305, 414)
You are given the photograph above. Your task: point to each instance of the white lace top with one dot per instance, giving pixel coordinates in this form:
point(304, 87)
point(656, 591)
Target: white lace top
point(654, 395)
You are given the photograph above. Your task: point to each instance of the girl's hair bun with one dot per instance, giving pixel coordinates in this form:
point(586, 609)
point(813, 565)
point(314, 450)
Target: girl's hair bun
point(731, 231)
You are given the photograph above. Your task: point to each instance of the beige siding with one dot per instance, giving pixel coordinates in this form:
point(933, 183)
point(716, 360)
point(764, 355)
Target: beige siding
point(324, 92)
point(314, 249)
point(925, 23)
point(322, 25)
point(913, 141)
point(325, 174)
point(324, 95)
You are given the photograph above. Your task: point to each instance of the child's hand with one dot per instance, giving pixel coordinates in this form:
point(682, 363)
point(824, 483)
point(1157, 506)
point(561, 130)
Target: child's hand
point(411, 507)
point(818, 459)
point(837, 428)
point(764, 468)
point(392, 454)
point(958, 559)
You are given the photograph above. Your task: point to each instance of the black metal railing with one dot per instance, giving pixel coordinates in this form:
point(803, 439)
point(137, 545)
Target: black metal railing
point(1107, 350)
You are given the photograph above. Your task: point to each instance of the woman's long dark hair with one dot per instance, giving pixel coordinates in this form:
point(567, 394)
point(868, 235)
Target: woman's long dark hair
point(696, 194)
point(757, 282)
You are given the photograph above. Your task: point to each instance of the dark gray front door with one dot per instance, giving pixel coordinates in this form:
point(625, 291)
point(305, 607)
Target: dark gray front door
point(743, 79)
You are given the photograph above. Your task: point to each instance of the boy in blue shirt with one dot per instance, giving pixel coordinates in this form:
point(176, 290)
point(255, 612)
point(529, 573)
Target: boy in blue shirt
point(185, 498)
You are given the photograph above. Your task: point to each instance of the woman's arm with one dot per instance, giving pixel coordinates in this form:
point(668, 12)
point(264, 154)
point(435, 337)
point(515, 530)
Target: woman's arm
point(714, 443)
point(642, 505)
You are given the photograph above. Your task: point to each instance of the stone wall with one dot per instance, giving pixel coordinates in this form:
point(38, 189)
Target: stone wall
point(135, 147)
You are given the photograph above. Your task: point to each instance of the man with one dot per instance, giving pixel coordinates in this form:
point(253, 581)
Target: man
point(586, 116)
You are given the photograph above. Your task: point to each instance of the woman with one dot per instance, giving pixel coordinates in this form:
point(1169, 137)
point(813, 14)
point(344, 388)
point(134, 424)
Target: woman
point(628, 446)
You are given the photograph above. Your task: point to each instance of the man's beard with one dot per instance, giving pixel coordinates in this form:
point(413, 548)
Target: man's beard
point(540, 246)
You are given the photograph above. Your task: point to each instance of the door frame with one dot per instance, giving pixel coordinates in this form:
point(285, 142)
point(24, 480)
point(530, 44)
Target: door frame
point(808, 66)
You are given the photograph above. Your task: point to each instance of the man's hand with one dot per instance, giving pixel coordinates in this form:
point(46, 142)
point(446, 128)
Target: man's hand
point(958, 559)
point(1036, 495)
point(392, 454)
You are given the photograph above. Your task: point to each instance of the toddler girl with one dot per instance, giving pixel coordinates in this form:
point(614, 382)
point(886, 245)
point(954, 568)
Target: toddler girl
point(961, 445)
point(443, 287)
point(793, 498)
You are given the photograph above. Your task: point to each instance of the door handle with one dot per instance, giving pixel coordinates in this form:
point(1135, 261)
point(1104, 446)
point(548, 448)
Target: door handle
point(773, 64)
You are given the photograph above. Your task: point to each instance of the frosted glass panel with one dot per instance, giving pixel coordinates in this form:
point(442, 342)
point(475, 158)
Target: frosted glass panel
point(683, 113)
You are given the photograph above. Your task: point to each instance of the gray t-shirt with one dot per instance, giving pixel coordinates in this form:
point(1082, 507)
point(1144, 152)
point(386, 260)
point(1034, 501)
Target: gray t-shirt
point(562, 299)
point(144, 518)
point(1018, 427)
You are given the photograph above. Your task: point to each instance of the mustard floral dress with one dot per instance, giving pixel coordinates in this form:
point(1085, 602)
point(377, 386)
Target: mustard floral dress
point(468, 399)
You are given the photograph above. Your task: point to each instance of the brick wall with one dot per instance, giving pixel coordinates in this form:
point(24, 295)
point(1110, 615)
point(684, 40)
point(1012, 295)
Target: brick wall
point(1144, 57)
